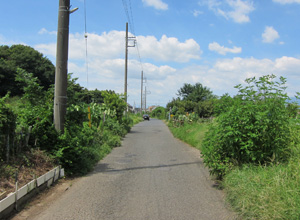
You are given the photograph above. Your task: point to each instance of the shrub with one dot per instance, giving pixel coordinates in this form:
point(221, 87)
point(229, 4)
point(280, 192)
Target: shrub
point(254, 130)
point(159, 112)
point(77, 151)
point(7, 126)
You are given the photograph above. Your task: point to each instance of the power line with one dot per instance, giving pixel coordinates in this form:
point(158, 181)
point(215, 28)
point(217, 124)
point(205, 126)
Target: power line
point(133, 31)
point(86, 46)
point(129, 18)
point(131, 25)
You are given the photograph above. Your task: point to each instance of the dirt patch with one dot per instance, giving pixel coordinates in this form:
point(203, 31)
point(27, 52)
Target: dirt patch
point(43, 200)
point(25, 167)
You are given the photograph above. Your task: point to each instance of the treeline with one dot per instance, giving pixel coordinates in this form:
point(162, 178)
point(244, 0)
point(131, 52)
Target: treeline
point(26, 114)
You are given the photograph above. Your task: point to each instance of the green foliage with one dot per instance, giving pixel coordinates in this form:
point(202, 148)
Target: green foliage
point(36, 111)
point(77, 94)
point(28, 59)
point(195, 98)
point(7, 125)
point(159, 112)
point(115, 102)
point(265, 192)
point(76, 150)
point(30, 125)
point(254, 130)
point(192, 133)
point(223, 104)
point(195, 93)
point(293, 109)
point(33, 92)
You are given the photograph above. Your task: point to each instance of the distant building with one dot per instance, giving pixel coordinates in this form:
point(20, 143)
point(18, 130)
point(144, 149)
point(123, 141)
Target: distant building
point(151, 108)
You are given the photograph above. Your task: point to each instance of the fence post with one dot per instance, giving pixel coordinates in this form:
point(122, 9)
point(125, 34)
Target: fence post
point(7, 149)
point(16, 194)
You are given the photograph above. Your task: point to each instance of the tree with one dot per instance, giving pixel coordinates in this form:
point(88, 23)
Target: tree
point(28, 59)
point(195, 93)
point(195, 98)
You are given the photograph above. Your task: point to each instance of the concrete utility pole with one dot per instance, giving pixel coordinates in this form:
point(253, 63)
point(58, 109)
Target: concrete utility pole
point(126, 61)
point(145, 99)
point(146, 93)
point(61, 71)
point(142, 79)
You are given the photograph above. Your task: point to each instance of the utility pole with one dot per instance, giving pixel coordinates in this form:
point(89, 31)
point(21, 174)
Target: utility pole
point(142, 79)
point(61, 71)
point(146, 93)
point(145, 99)
point(126, 61)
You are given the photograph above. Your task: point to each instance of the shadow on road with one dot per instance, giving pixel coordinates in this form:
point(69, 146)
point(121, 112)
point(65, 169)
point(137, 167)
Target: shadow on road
point(104, 168)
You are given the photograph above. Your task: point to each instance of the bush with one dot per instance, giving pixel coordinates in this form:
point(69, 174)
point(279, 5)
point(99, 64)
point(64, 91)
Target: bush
point(77, 151)
point(159, 112)
point(254, 130)
point(7, 126)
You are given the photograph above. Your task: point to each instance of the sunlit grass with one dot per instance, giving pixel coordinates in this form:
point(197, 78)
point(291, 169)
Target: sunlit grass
point(192, 134)
point(265, 192)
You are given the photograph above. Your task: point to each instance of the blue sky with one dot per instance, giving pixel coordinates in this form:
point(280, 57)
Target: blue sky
point(217, 43)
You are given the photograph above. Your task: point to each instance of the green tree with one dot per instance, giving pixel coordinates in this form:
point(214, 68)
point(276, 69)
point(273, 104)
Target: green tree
point(195, 93)
point(159, 112)
point(28, 59)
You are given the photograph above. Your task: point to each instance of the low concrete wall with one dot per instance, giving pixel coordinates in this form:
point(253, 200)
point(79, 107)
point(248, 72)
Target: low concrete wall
point(21, 196)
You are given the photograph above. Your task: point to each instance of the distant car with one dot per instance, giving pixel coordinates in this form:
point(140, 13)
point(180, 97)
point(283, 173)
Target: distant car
point(146, 117)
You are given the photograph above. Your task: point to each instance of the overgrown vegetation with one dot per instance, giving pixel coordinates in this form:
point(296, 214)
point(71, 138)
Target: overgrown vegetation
point(252, 146)
point(26, 118)
point(159, 113)
point(255, 129)
point(193, 98)
point(191, 133)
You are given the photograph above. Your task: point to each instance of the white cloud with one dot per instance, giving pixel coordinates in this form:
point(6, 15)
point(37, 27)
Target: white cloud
point(45, 31)
point(169, 49)
point(269, 35)
point(236, 70)
point(106, 66)
point(237, 10)
point(5, 41)
point(112, 45)
point(223, 50)
point(157, 4)
point(288, 65)
point(287, 1)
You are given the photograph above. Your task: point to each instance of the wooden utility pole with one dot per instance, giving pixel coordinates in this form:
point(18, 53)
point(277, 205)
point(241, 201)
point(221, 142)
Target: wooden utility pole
point(142, 79)
point(126, 61)
point(61, 71)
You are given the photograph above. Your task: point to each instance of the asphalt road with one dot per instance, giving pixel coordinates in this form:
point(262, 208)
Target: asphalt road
point(151, 176)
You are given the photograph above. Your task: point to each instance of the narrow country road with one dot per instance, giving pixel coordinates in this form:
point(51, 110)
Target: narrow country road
point(151, 176)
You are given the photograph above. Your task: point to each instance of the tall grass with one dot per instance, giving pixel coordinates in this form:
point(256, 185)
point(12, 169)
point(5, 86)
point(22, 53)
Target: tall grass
point(265, 192)
point(192, 134)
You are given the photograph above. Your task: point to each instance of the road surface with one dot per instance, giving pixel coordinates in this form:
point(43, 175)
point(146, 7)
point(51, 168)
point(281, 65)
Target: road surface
point(151, 176)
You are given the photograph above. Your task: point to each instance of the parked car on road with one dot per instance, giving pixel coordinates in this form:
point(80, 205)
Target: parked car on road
point(146, 117)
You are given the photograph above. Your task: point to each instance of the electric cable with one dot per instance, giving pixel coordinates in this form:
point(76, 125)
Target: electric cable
point(86, 46)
